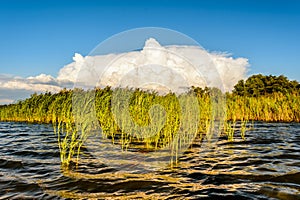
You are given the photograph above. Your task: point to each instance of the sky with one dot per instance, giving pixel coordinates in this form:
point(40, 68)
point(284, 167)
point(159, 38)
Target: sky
point(41, 37)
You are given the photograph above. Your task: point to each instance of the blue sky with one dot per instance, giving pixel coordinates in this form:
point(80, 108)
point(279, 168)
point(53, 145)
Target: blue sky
point(42, 36)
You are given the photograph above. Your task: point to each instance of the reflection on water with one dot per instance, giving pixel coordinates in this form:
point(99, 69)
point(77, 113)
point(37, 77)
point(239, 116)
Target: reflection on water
point(264, 166)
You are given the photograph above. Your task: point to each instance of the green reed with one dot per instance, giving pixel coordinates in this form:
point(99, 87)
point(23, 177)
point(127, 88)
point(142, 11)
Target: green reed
point(145, 120)
point(272, 108)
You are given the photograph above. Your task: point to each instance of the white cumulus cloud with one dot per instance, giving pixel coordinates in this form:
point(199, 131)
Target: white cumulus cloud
point(42, 78)
point(16, 88)
point(186, 66)
point(40, 83)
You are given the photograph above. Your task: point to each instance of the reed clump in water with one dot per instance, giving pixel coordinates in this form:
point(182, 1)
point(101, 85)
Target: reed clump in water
point(137, 117)
point(148, 121)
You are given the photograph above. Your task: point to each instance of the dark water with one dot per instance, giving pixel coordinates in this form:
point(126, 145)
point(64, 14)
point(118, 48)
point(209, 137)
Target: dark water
point(264, 166)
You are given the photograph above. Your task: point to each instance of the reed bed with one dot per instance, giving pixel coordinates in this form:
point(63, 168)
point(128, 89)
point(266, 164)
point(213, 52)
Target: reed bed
point(276, 107)
point(145, 120)
point(48, 108)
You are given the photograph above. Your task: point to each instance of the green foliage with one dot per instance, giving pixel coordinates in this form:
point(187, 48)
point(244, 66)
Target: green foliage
point(258, 85)
point(275, 107)
point(152, 121)
point(265, 98)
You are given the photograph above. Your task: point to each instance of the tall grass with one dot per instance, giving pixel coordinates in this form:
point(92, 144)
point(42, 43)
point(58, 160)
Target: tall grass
point(272, 108)
point(146, 120)
point(47, 108)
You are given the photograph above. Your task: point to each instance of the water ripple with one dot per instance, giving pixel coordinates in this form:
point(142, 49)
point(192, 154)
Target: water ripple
point(264, 166)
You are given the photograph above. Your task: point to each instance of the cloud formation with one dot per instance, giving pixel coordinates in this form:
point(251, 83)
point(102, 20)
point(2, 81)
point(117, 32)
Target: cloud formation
point(16, 88)
point(169, 66)
point(194, 66)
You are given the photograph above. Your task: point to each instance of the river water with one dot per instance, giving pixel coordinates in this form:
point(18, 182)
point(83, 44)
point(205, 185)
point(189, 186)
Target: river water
point(264, 166)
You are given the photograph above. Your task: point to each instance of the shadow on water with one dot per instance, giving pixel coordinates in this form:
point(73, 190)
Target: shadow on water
point(264, 166)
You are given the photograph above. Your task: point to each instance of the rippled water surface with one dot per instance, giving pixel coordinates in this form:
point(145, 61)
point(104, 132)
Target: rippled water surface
point(264, 166)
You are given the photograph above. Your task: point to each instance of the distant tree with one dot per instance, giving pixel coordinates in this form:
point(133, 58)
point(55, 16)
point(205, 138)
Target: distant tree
point(259, 84)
